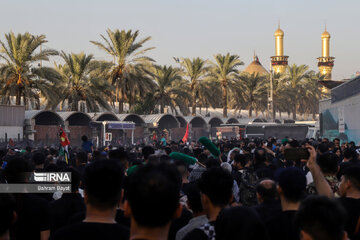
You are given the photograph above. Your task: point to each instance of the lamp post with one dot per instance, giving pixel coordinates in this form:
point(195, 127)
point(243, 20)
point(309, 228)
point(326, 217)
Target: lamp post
point(104, 132)
point(271, 97)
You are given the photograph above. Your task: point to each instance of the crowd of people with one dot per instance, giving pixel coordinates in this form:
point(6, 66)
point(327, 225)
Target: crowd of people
point(254, 189)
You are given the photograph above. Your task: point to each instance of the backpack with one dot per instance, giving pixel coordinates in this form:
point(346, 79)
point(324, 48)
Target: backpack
point(247, 187)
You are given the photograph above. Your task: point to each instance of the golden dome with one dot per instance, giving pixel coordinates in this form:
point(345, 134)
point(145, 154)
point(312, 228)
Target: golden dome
point(255, 67)
point(279, 32)
point(325, 34)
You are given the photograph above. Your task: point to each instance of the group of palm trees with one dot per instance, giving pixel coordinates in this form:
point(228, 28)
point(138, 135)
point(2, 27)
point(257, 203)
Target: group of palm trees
point(134, 80)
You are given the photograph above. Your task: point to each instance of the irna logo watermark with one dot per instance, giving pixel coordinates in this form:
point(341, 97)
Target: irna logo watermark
point(52, 177)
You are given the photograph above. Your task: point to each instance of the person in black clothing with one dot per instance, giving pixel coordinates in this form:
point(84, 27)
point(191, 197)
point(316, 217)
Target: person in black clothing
point(291, 188)
point(146, 152)
point(121, 156)
point(32, 210)
point(8, 214)
point(239, 223)
point(81, 161)
point(349, 191)
point(216, 193)
point(269, 204)
point(350, 159)
point(240, 163)
point(186, 215)
point(262, 165)
point(38, 160)
point(321, 218)
point(246, 179)
point(70, 204)
point(153, 200)
point(102, 193)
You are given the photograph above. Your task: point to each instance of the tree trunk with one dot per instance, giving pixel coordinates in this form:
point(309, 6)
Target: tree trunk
point(280, 114)
point(224, 99)
point(250, 112)
point(193, 103)
point(294, 113)
point(131, 102)
point(25, 102)
point(121, 104)
point(37, 104)
point(18, 96)
point(162, 105)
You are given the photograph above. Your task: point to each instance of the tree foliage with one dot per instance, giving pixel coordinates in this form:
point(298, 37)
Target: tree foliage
point(134, 80)
point(19, 74)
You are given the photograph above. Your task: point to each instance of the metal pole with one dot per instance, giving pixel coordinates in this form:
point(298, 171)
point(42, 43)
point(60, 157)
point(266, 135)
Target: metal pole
point(132, 136)
point(104, 133)
point(272, 116)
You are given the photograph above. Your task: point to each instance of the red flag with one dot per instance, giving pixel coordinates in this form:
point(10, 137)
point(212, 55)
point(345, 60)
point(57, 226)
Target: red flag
point(64, 141)
point(186, 136)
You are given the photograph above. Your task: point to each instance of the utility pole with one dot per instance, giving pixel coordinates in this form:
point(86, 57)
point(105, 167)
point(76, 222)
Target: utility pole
point(271, 97)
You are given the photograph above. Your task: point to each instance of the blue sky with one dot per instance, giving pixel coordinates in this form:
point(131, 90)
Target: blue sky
point(185, 28)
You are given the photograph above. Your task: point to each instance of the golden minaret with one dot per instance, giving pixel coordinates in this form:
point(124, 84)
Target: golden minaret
point(325, 62)
point(279, 62)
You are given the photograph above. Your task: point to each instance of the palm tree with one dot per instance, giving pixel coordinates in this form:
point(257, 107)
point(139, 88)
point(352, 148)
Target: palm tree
point(128, 74)
point(19, 75)
point(195, 71)
point(311, 94)
point(82, 80)
point(281, 95)
point(295, 77)
point(208, 90)
point(253, 89)
point(225, 70)
point(170, 89)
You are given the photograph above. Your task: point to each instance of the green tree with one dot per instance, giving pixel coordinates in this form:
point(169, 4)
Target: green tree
point(224, 69)
point(128, 74)
point(253, 89)
point(82, 80)
point(145, 105)
point(311, 94)
point(281, 96)
point(295, 77)
point(208, 92)
point(171, 90)
point(19, 74)
point(195, 72)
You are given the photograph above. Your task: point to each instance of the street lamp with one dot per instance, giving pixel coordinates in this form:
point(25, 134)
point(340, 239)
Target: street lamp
point(271, 97)
point(104, 132)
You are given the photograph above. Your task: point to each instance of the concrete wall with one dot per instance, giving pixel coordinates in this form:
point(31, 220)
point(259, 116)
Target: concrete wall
point(76, 132)
point(12, 115)
point(177, 133)
point(47, 135)
point(12, 132)
point(341, 119)
point(11, 122)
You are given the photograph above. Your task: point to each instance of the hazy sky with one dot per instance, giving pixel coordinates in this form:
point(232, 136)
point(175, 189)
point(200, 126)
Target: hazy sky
point(191, 28)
